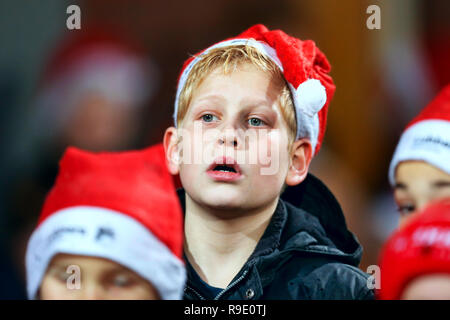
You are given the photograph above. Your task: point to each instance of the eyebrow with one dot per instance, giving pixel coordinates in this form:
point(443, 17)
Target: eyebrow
point(441, 184)
point(435, 184)
point(400, 186)
point(116, 270)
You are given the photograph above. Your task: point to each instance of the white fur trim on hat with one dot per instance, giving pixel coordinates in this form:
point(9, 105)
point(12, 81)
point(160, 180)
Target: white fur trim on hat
point(100, 232)
point(428, 141)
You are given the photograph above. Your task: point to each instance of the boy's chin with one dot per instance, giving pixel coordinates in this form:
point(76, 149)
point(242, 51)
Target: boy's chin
point(231, 203)
point(224, 199)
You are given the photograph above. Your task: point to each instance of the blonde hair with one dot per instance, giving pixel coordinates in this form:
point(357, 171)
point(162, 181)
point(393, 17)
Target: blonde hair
point(229, 59)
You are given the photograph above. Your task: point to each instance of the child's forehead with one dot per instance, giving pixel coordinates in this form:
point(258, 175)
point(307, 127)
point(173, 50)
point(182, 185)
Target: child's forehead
point(247, 77)
point(219, 98)
point(412, 168)
point(240, 66)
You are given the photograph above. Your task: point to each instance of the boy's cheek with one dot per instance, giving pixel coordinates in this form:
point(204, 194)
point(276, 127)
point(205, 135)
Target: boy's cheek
point(189, 174)
point(195, 145)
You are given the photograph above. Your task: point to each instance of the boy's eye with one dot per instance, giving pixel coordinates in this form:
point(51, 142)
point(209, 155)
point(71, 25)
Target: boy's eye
point(209, 117)
point(255, 122)
point(406, 209)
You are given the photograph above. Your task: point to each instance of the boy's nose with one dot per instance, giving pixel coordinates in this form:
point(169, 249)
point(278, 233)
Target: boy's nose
point(229, 137)
point(232, 142)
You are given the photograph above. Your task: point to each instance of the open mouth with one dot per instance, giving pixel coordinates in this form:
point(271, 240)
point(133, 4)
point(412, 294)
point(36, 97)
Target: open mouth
point(224, 168)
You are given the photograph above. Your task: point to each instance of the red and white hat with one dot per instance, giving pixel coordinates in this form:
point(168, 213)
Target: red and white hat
point(420, 247)
point(304, 67)
point(119, 206)
point(426, 137)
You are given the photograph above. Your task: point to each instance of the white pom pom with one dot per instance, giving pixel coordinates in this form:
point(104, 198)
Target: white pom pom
point(311, 96)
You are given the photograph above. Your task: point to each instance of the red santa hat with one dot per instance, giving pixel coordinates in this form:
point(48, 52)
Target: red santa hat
point(304, 67)
point(426, 137)
point(119, 206)
point(421, 247)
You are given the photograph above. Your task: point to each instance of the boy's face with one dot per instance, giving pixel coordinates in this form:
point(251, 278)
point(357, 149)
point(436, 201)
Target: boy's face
point(428, 287)
point(417, 184)
point(98, 279)
point(234, 141)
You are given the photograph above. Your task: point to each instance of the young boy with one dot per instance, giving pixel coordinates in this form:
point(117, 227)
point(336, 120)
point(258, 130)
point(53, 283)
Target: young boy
point(110, 228)
point(420, 168)
point(250, 113)
point(415, 262)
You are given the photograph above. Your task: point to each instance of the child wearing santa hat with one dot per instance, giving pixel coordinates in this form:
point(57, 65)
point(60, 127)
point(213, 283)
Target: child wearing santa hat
point(415, 261)
point(250, 114)
point(420, 168)
point(110, 228)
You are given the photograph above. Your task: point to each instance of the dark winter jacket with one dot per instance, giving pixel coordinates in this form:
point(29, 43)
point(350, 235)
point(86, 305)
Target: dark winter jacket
point(306, 252)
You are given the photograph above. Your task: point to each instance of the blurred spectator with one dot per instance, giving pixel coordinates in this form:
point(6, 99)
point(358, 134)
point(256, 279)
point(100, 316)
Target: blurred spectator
point(419, 172)
point(93, 92)
point(420, 168)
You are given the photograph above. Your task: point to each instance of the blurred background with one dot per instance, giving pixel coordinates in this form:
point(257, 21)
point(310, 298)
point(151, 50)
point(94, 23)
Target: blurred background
point(111, 86)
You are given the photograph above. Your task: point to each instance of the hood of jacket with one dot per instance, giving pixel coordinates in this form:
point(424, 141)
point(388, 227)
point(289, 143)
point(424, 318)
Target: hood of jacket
point(316, 222)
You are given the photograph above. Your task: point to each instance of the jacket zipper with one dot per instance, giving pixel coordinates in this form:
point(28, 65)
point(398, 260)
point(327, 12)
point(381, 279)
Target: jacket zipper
point(194, 291)
point(231, 285)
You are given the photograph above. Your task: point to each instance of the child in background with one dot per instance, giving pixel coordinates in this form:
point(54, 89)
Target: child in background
point(115, 218)
point(420, 169)
point(415, 262)
point(262, 93)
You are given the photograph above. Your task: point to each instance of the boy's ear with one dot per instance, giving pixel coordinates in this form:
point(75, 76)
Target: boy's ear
point(301, 155)
point(171, 150)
